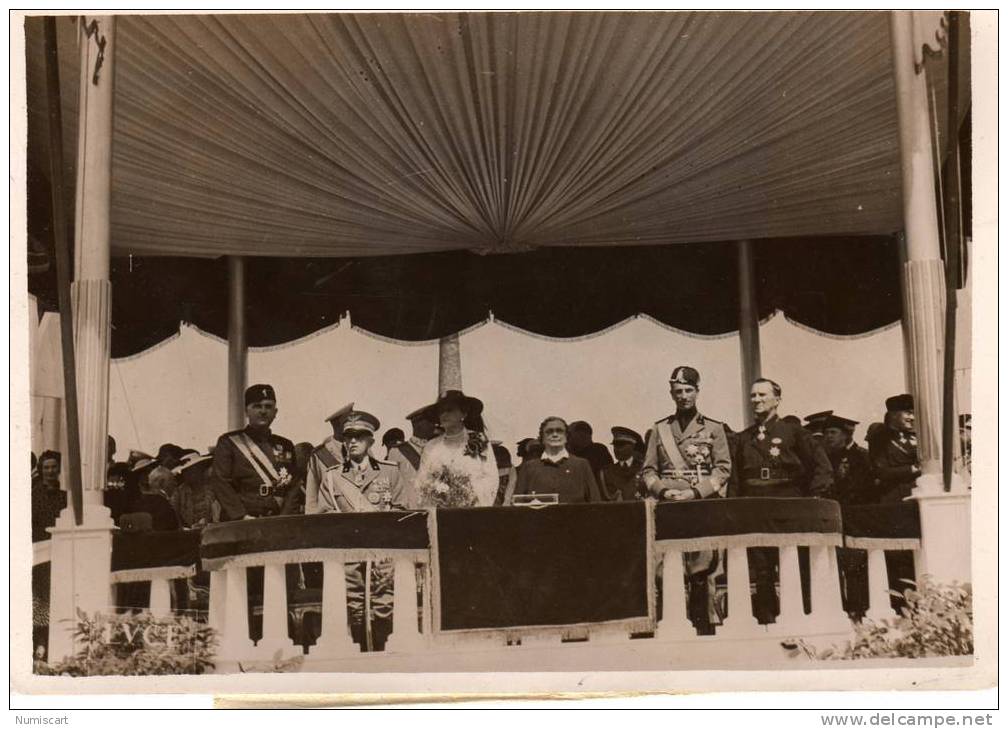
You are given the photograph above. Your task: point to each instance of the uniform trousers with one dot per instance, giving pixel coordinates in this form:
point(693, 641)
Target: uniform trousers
point(764, 570)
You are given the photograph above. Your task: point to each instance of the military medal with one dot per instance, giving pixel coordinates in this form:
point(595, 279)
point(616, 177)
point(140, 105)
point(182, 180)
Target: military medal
point(761, 435)
point(774, 451)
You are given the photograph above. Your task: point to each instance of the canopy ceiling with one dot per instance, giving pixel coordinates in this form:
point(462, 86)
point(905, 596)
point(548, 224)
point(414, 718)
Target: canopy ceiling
point(366, 134)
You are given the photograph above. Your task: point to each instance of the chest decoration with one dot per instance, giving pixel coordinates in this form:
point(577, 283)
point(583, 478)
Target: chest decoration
point(843, 468)
point(761, 433)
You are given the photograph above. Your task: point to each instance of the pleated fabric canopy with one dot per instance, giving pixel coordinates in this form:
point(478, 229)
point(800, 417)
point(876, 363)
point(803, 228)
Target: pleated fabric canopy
point(375, 134)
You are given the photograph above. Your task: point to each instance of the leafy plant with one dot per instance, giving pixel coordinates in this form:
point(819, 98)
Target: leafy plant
point(137, 644)
point(937, 620)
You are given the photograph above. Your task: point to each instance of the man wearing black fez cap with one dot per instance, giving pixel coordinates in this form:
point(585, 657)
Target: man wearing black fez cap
point(252, 467)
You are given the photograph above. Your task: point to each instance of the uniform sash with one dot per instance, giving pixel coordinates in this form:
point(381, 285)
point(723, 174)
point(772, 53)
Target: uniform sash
point(337, 485)
point(675, 455)
point(259, 461)
point(411, 454)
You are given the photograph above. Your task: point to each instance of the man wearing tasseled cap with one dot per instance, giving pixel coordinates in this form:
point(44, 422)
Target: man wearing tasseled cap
point(252, 467)
point(620, 481)
point(330, 454)
point(364, 483)
point(853, 484)
point(687, 457)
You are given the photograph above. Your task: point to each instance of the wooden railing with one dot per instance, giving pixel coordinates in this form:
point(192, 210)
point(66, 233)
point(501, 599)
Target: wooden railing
point(730, 526)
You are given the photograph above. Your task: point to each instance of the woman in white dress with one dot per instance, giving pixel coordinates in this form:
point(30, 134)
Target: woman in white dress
point(458, 468)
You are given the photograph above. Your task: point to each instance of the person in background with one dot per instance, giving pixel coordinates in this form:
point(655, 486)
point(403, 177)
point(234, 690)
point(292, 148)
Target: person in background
point(556, 471)
point(162, 477)
point(893, 452)
point(777, 459)
point(110, 449)
point(47, 498)
point(331, 454)
point(853, 484)
point(815, 423)
point(407, 455)
point(294, 502)
point(193, 500)
point(393, 438)
point(116, 496)
point(620, 481)
point(528, 449)
point(507, 473)
point(580, 444)
point(146, 498)
point(792, 419)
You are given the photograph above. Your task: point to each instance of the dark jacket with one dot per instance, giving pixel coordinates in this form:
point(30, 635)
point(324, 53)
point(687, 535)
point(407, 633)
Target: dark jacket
point(896, 464)
point(235, 482)
point(786, 461)
point(853, 476)
point(571, 479)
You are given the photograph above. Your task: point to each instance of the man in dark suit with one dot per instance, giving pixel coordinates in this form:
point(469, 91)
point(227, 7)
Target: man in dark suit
point(580, 444)
point(777, 459)
point(853, 482)
point(620, 481)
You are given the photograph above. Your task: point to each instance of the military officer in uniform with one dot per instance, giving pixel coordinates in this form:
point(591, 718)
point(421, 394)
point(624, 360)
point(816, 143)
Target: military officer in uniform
point(853, 482)
point(687, 457)
point(406, 455)
point(364, 483)
point(777, 459)
point(893, 452)
point(620, 481)
point(328, 455)
point(252, 467)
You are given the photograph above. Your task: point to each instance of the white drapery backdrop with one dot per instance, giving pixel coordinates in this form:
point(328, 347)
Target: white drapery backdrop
point(176, 391)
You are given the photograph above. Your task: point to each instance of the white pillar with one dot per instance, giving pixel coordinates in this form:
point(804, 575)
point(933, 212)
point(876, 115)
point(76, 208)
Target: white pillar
point(879, 605)
point(160, 598)
point(449, 364)
point(82, 556)
point(740, 622)
point(405, 636)
point(827, 602)
point(945, 537)
point(235, 643)
point(335, 640)
point(792, 617)
point(274, 614)
point(674, 624)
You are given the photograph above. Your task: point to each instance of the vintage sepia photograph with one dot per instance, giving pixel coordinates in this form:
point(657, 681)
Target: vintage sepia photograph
point(457, 344)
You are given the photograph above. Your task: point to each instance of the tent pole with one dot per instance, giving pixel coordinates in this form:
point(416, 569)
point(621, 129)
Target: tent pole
point(944, 516)
point(237, 343)
point(449, 364)
point(81, 553)
point(749, 337)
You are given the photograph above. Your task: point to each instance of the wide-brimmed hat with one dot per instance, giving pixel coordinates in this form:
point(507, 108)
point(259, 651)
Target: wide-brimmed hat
point(189, 460)
point(471, 405)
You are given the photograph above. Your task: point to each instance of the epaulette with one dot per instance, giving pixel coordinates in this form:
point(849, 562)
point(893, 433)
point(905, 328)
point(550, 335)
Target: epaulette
point(666, 419)
point(386, 463)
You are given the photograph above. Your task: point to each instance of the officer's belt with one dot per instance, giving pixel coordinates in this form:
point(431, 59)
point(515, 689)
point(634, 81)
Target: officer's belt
point(683, 473)
point(766, 474)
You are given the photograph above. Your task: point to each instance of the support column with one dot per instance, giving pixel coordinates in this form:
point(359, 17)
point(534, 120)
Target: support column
point(449, 364)
point(405, 636)
point(879, 605)
point(81, 555)
point(237, 343)
point(674, 624)
point(749, 339)
point(335, 641)
point(792, 618)
point(945, 523)
point(740, 622)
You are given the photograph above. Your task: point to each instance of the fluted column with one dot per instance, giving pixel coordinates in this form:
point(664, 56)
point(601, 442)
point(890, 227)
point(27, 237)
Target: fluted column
point(81, 554)
point(449, 364)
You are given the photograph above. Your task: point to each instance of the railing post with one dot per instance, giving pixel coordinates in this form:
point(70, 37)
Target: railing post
point(335, 641)
point(274, 617)
point(674, 625)
point(879, 605)
point(160, 598)
point(218, 600)
point(740, 622)
point(405, 636)
point(827, 602)
point(235, 642)
point(792, 618)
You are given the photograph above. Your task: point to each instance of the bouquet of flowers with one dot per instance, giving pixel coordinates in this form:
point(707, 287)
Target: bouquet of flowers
point(446, 487)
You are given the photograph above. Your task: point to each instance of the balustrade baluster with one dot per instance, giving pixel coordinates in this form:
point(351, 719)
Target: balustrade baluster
point(405, 633)
point(160, 598)
point(740, 622)
point(218, 600)
point(335, 640)
point(235, 642)
point(274, 616)
point(674, 625)
point(792, 617)
point(879, 604)
point(827, 603)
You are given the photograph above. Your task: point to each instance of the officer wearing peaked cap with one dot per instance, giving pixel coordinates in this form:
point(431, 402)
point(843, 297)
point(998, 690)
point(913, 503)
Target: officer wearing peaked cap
point(252, 467)
point(330, 454)
point(620, 481)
